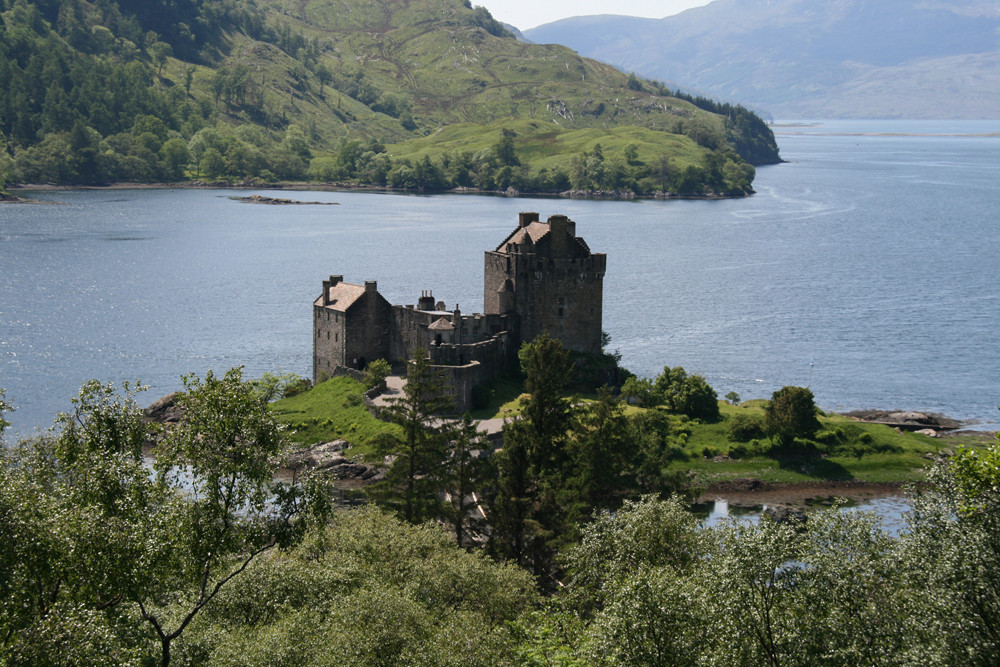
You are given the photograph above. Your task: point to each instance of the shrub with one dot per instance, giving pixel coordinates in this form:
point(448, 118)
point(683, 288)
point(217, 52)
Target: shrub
point(745, 427)
point(791, 415)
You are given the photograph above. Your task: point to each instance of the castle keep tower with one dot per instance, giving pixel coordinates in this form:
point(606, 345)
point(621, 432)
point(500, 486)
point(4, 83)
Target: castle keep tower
point(547, 276)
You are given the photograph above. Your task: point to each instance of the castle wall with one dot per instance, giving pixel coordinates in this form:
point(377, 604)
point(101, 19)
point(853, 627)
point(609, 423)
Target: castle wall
point(329, 341)
point(561, 296)
point(409, 331)
point(462, 379)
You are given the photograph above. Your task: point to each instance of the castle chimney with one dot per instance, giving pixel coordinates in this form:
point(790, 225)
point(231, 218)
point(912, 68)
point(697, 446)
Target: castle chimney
point(371, 287)
point(335, 280)
point(526, 218)
point(426, 301)
point(558, 231)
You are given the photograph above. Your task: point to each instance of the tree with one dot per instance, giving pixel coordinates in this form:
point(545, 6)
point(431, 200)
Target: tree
point(689, 395)
point(324, 75)
point(952, 553)
point(223, 451)
point(466, 473)
point(632, 574)
point(415, 478)
point(791, 414)
point(369, 589)
point(161, 52)
point(175, 156)
point(93, 542)
point(504, 150)
point(376, 372)
point(527, 518)
point(602, 449)
point(546, 368)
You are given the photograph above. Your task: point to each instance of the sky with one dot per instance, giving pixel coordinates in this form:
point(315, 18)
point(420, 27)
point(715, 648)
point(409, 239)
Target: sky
point(526, 14)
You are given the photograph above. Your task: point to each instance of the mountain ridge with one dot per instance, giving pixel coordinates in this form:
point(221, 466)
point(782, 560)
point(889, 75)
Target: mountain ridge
point(792, 58)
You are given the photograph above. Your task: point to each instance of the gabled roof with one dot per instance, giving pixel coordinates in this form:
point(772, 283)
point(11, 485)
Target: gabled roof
point(441, 324)
point(342, 296)
point(532, 233)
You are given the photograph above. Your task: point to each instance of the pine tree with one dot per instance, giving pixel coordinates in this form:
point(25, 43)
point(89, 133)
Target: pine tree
point(416, 477)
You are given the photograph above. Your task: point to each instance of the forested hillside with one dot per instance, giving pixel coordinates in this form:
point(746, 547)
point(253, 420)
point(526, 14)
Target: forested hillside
point(241, 90)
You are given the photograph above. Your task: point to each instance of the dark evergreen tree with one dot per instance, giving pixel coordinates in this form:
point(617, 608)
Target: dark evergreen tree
point(417, 476)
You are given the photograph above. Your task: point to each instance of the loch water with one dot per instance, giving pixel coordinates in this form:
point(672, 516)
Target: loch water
point(865, 267)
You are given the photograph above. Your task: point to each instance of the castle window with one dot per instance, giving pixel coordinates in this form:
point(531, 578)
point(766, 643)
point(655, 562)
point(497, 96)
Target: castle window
point(328, 335)
point(561, 312)
point(336, 338)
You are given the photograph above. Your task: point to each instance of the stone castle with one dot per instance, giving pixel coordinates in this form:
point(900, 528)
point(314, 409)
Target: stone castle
point(541, 278)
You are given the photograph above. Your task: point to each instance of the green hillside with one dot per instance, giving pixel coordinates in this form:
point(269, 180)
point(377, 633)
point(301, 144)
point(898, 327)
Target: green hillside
point(238, 90)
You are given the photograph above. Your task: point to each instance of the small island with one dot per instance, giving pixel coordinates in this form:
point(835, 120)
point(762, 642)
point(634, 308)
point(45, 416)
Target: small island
point(275, 201)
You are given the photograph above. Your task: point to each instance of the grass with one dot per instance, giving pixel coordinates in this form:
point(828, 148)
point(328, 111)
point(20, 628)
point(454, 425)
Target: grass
point(545, 145)
point(332, 410)
point(904, 461)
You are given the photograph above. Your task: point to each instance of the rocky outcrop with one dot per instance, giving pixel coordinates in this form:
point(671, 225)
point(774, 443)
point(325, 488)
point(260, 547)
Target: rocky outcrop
point(786, 514)
point(275, 201)
point(165, 410)
point(329, 458)
point(906, 420)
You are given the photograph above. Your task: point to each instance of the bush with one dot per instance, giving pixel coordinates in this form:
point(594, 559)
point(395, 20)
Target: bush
point(791, 415)
point(745, 427)
point(375, 373)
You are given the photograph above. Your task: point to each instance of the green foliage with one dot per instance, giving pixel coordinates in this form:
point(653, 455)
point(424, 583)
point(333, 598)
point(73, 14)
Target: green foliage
point(791, 414)
point(270, 387)
point(546, 368)
point(689, 395)
point(376, 372)
point(467, 470)
point(368, 590)
point(412, 483)
point(101, 557)
point(745, 427)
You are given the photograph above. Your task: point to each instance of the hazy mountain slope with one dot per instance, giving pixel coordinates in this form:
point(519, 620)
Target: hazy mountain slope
point(843, 58)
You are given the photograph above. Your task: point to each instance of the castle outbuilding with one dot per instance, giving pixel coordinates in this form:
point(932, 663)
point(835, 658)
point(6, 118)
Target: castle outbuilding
point(541, 278)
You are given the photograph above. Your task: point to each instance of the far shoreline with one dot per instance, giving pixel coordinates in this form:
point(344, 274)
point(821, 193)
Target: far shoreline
point(301, 186)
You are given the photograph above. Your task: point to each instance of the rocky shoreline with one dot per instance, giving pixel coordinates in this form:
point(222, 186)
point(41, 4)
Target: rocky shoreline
point(275, 201)
point(907, 420)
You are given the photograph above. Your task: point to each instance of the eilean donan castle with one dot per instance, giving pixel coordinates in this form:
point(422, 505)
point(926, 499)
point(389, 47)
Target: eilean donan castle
point(541, 278)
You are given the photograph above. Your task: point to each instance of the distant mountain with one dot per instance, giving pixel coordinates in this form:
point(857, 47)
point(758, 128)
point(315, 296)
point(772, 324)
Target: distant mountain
point(808, 59)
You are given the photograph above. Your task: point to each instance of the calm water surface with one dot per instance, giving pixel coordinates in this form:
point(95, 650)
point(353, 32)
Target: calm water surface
point(865, 267)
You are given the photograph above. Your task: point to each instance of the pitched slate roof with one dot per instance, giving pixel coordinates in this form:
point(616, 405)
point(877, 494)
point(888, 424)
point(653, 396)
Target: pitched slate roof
point(441, 324)
point(343, 296)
